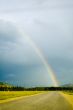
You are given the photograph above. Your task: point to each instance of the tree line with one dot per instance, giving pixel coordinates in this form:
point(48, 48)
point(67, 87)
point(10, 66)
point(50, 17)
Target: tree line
point(18, 88)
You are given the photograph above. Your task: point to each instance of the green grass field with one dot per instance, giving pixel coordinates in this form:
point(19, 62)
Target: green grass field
point(13, 94)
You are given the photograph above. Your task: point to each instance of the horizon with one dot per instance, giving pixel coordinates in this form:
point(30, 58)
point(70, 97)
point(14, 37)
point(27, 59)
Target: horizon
point(25, 87)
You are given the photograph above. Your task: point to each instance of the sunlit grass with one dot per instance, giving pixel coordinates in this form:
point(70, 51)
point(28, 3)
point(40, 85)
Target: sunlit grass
point(69, 92)
point(69, 96)
point(13, 94)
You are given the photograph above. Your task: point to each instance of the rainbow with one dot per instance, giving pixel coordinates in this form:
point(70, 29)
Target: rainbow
point(43, 59)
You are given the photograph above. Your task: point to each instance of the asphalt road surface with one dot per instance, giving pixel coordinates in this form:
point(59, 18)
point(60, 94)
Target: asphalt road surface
point(46, 101)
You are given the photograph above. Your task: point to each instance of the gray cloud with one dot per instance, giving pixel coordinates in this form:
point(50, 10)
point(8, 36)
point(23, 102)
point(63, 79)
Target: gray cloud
point(49, 23)
point(36, 5)
point(14, 47)
point(8, 32)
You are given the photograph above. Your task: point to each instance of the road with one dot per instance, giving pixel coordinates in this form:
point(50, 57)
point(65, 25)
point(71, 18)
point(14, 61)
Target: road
point(46, 101)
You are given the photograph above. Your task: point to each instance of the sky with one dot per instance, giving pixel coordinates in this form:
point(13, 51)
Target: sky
point(49, 24)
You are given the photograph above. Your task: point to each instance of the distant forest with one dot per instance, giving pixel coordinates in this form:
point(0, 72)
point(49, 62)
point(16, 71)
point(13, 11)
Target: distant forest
point(7, 87)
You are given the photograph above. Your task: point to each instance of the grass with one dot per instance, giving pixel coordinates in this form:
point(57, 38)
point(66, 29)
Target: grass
point(69, 92)
point(69, 96)
point(13, 94)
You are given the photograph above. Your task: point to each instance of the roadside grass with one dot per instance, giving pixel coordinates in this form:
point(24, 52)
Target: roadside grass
point(13, 94)
point(68, 92)
point(69, 96)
